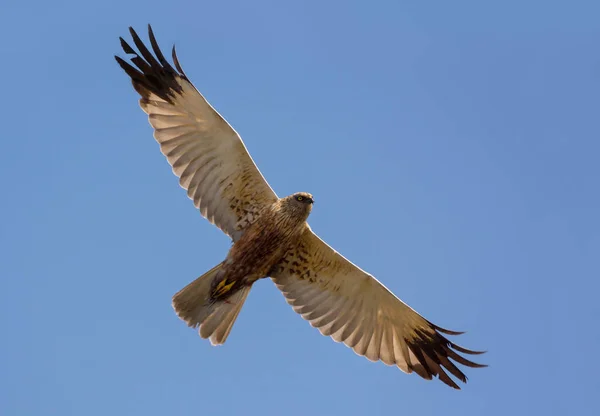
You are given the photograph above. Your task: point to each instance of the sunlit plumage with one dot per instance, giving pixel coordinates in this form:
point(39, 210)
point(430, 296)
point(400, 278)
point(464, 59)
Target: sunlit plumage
point(271, 237)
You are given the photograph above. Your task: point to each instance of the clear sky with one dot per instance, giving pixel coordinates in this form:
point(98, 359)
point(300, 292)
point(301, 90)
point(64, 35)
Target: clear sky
point(453, 150)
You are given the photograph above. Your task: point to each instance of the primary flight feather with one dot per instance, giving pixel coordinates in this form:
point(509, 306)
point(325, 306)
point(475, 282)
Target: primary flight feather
point(271, 237)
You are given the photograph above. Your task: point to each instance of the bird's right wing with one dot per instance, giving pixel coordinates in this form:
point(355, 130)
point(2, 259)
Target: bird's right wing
point(205, 152)
point(352, 307)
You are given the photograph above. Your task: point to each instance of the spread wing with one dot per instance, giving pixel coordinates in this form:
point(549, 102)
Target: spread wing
point(205, 152)
point(352, 307)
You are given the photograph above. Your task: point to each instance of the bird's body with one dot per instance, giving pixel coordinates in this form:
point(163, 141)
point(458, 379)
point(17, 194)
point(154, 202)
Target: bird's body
point(265, 242)
point(273, 232)
point(271, 237)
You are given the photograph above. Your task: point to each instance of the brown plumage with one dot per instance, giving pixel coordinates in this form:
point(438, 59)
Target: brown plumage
point(265, 241)
point(271, 237)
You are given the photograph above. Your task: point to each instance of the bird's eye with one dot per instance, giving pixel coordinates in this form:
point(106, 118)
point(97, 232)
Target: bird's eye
point(299, 198)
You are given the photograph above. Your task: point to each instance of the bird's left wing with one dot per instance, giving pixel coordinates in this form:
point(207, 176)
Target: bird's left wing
point(352, 307)
point(205, 152)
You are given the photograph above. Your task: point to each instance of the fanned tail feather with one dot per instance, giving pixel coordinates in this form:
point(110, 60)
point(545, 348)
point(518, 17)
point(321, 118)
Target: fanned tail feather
point(193, 304)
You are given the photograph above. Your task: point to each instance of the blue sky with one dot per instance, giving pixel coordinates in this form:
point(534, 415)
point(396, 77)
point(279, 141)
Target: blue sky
point(453, 151)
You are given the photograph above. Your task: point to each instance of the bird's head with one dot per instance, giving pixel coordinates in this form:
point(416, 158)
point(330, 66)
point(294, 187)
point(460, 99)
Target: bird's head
point(299, 203)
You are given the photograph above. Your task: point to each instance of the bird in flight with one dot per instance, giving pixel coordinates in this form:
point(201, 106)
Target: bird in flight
point(271, 237)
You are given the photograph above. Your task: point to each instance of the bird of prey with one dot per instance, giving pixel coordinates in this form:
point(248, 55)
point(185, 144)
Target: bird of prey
point(271, 237)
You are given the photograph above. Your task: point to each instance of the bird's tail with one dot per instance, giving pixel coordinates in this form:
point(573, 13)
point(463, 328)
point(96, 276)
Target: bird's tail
point(197, 307)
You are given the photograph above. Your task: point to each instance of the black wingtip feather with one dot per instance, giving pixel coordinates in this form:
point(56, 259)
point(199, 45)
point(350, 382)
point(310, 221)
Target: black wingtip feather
point(176, 62)
point(462, 360)
point(444, 330)
point(447, 380)
point(144, 50)
point(466, 351)
point(433, 353)
point(129, 69)
point(157, 50)
point(128, 49)
point(152, 75)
